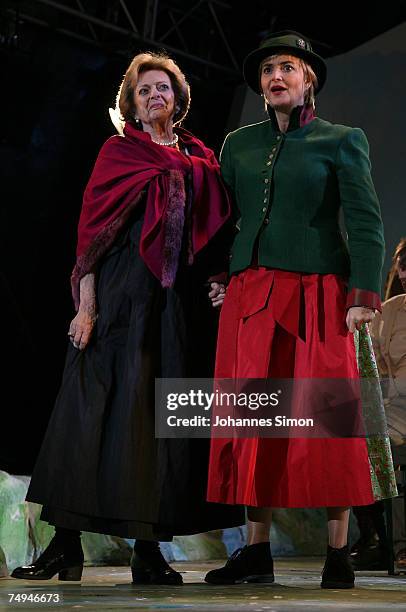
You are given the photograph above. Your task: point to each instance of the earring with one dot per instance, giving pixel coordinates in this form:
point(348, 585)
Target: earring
point(137, 119)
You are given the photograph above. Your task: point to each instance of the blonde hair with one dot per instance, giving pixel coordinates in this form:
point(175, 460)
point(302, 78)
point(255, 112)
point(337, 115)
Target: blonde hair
point(309, 77)
point(125, 108)
point(392, 284)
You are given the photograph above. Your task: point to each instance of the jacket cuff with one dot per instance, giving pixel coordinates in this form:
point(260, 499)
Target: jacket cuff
point(363, 297)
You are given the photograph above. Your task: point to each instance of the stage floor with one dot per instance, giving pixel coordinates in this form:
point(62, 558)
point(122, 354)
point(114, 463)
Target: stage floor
point(296, 588)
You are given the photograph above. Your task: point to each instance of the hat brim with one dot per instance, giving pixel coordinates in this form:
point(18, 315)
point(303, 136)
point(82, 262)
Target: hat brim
point(253, 61)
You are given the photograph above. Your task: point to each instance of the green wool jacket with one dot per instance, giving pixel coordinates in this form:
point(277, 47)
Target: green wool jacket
point(287, 191)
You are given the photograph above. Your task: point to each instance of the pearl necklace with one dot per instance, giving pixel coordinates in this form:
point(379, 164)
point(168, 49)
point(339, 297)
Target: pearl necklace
point(168, 143)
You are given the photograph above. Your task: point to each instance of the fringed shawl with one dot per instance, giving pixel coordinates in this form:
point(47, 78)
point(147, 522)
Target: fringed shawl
point(132, 167)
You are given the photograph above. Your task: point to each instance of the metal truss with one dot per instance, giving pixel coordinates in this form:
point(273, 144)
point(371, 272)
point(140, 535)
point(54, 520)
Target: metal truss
point(124, 26)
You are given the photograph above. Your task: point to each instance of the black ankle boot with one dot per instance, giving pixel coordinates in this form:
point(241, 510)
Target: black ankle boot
point(337, 572)
point(252, 563)
point(148, 565)
point(373, 557)
point(63, 556)
point(370, 551)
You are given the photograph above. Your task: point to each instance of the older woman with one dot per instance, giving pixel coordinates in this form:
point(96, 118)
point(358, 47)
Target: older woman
point(296, 295)
point(152, 212)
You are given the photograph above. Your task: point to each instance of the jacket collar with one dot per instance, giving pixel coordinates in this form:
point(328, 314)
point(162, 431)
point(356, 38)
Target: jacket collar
point(299, 117)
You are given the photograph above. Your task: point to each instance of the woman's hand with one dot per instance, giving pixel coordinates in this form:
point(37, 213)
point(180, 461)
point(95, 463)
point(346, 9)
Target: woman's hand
point(217, 294)
point(357, 315)
point(81, 327)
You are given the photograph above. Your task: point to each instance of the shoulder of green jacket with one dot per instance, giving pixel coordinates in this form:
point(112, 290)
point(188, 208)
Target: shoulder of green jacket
point(253, 130)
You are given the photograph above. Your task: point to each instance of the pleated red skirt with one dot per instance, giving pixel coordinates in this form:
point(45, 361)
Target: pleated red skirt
point(283, 324)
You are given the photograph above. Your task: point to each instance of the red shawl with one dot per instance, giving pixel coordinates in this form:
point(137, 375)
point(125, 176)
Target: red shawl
point(132, 166)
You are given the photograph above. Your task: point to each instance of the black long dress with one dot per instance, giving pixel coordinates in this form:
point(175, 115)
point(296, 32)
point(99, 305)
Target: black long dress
point(100, 467)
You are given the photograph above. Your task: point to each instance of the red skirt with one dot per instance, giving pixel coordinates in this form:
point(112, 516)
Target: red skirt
point(283, 324)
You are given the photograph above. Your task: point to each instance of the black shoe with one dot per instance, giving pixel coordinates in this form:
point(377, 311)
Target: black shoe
point(56, 559)
point(249, 564)
point(372, 558)
point(362, 543)
point(337, 572)
point(148, 566)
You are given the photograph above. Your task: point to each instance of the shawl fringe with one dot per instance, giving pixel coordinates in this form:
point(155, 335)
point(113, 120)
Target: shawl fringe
point(102, 242)
point(173, 223)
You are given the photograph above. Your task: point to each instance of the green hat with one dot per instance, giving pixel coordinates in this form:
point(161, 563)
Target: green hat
point(291, 43)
